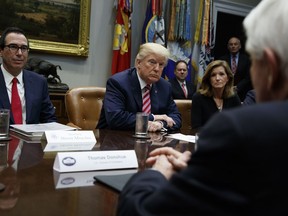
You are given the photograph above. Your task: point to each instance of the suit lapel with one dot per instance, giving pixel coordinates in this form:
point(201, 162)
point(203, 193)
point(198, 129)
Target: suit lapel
point(136, 89)
point(189, 88)
point(154, 98)
point(28, 86)
point(179, 88)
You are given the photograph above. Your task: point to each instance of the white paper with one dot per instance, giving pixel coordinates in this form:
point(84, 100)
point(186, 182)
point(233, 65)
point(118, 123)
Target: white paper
point(95, 160)
point(69, 140)
point(39, 129)
point(179, 136)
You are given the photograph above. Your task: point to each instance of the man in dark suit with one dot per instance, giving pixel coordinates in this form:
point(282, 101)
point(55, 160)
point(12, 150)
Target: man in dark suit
point(250, 98)
point(239, 164)
point(124, 92)
point(181, 89)
point(32, 88)
point(242, 79)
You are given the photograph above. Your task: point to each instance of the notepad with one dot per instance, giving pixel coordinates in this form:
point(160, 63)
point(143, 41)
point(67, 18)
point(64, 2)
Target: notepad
point(37, 130)
point(117, 182)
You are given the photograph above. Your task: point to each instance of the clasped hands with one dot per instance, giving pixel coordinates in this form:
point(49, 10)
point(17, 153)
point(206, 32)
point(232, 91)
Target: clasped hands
point(157, 125)
point(168, 161)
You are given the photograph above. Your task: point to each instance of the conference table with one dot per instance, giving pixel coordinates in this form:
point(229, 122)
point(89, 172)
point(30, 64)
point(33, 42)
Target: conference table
point(32, 188)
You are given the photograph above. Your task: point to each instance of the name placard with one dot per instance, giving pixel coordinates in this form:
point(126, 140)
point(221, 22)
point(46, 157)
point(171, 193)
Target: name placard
point(69, 140)
point(84, 179)
point(95, 160)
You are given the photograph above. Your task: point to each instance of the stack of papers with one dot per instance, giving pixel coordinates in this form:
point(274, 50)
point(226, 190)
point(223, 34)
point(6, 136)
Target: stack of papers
point(179, 136)
point(37, 130)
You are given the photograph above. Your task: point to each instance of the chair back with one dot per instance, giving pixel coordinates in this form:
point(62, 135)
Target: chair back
point(83, 106)
point(184, 107)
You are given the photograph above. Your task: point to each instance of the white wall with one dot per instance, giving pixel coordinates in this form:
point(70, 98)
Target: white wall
point(96, 69)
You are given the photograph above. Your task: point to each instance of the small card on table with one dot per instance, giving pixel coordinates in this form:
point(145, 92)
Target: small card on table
point(69, 140)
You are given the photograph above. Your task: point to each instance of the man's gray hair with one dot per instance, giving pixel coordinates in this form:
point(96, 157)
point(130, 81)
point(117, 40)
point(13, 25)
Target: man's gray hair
point(152, 48)
point(266, 26)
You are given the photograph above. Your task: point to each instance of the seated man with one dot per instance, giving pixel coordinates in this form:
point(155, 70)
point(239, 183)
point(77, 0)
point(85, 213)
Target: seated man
point(24, 92)
point(250, 98)
point(181, 89)
point(125, 90)
point(239, 166)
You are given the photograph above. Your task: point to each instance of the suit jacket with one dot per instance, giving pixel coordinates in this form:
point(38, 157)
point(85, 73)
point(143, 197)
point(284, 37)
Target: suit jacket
point(238, 168)
point(205, 107)
point(242, 76)
point(250, 98)
point(39, 108)
point(123, 99)
point(177, 92)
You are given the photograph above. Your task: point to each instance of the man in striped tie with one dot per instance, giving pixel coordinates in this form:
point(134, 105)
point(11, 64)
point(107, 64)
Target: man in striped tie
point(141, 89)
point(240, 66)
point(181, 88)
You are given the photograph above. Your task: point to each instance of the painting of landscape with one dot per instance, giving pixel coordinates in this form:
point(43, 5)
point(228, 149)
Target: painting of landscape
point(55, 20)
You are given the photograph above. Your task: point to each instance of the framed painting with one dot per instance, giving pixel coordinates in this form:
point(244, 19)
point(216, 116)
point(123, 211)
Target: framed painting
point(55, 26)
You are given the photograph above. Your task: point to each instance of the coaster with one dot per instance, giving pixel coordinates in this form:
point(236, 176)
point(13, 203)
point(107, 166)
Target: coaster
point(141, 137)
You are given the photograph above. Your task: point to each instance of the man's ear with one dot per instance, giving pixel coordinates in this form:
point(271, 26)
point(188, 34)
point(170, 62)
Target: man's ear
point(137, 63)
point(273, 67)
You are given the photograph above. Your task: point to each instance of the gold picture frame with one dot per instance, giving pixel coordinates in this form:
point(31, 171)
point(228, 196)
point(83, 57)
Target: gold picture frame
point(42, 23)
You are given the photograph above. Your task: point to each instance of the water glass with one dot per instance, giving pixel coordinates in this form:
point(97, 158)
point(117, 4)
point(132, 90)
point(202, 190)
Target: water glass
point(141, 126)
point(4, 123)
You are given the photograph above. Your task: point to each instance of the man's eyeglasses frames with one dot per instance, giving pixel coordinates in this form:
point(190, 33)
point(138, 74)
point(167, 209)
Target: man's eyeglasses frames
point(14, 48)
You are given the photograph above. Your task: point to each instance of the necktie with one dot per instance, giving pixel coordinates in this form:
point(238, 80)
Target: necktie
point(16, 103)
point(146, 100)
point(184, 90)
point(13, 144)
point(234, 65)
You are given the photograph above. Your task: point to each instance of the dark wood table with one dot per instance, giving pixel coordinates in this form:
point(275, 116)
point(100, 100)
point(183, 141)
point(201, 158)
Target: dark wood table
point(31, 190)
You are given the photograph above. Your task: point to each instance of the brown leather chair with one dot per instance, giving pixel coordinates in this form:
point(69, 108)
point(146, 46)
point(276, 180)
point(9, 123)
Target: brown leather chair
point(83, 106)
point(184, 107)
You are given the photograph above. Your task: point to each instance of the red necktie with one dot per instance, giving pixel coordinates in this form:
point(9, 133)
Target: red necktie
point(146, 100)
point(234, 65)
point(13, 144)
point(184, 90)
point(16, 103)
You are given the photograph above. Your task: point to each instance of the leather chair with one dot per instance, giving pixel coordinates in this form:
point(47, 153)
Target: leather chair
point(184, 107)
point(83, 106)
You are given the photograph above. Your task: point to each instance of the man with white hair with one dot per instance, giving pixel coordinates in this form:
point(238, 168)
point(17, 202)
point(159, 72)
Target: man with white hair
point(239, 164)
point(126, 90)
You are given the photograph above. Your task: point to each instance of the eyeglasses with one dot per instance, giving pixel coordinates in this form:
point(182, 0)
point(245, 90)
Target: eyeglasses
point(14, 48)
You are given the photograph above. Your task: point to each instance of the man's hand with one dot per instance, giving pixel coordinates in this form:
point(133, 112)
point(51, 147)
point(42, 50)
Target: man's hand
point(154, 126)
point(163, 165)
point(170, 122)
point(177, 159)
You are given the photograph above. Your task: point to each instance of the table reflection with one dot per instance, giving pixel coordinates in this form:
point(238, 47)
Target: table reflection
point(39, 194)
point(9, 195)
point(124, 140)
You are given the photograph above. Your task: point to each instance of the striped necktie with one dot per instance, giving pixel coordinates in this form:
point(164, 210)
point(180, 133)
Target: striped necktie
point(184, 89)
point(146, 100)
point(16, 106)
point(234, 64)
